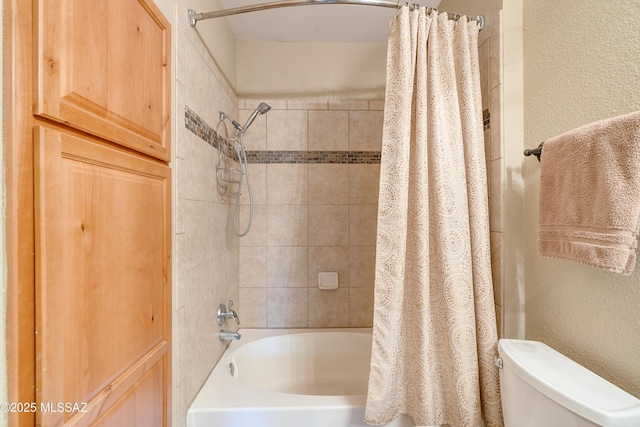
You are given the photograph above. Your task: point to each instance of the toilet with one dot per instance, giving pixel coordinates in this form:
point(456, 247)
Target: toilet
point(542, 388)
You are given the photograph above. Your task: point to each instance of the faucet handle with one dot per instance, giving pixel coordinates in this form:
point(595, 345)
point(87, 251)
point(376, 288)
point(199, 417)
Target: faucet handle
point(235, 316)
point(225, 313)
point(232, 313)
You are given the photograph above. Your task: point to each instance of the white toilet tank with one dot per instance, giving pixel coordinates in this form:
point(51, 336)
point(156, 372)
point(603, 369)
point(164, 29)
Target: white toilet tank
point(542, 388)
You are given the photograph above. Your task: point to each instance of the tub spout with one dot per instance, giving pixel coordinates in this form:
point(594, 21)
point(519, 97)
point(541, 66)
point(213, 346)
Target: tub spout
point(228, 335)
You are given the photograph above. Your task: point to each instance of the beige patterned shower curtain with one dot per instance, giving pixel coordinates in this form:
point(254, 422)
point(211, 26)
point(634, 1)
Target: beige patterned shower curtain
point(434, 334)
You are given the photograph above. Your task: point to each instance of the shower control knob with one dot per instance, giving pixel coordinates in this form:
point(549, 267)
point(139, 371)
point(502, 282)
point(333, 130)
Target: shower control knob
point(225, 313)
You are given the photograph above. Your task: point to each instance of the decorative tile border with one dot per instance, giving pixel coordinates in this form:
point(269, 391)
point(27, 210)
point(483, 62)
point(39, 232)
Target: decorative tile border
point(201, 129)
point(317, 157)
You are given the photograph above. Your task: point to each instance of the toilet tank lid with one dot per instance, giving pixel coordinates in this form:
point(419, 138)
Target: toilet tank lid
point(570, 384)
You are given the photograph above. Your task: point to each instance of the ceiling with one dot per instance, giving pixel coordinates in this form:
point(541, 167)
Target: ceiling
point(338, 23)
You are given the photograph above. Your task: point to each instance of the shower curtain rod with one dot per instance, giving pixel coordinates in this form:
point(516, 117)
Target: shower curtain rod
point(194, 16)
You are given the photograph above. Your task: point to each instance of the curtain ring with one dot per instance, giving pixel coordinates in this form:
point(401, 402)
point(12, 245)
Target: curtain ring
point(397, 7)
point(404, 4)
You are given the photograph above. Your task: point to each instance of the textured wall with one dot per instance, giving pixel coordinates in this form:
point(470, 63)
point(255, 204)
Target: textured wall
point(581, 65)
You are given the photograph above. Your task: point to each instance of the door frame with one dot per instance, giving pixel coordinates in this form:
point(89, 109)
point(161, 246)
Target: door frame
point(19, 209)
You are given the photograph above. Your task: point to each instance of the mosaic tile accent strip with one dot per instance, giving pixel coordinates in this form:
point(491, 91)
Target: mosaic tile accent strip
point(486, 119)
point(200, 128)
point(316, 157)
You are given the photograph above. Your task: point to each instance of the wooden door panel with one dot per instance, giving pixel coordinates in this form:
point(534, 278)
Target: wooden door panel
point(127, 397)
point(141, 406)
point(102, 272)
point(103, 66)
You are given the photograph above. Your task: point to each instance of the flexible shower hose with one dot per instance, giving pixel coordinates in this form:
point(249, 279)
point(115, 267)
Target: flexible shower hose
point(244, 169)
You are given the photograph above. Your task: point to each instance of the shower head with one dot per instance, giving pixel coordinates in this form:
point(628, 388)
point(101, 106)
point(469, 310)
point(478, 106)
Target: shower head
point(261, 109)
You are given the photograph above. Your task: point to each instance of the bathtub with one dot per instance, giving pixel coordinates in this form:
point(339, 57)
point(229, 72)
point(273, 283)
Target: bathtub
point(287, 378)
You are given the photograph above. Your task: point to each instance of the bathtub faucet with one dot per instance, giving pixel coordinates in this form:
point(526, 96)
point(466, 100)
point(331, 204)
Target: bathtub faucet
point(228, 335)
point(224, 314)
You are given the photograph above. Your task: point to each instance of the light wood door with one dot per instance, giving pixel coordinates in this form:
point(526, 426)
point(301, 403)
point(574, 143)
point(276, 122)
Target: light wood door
point(103, 268)
point(103, 66)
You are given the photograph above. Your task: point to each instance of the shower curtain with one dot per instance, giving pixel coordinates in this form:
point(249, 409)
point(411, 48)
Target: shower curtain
point(434, 333)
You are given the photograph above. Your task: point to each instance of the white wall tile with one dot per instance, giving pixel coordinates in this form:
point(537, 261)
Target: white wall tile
point(197, 233)
point(287, 307)
point(287, 225)
point(252, 267)
point(287, 184)
point(307, 104)
point(328, 130)
point(364, 183)
point(287, 266)
point(365, 130)
point(328, 184)
point(356, 104)
point(362, 262)
point(376, 105)
point(363, 223)
point(258, 178)
point(257, 235)
point(287, 130)
point(328, 308)
point(329, 258)
point(329, 225)
point(361, 307)
point(253, 307)
point(497, 144)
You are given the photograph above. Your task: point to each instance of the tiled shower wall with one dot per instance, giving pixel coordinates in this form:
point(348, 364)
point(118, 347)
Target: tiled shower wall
point(312, 216)
point(314, 171)
point(206, 252)
point(490, 58)
point(313, 213)
point(315, 178)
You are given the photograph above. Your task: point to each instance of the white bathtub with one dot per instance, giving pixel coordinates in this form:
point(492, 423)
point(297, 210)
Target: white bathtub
point(287, 378)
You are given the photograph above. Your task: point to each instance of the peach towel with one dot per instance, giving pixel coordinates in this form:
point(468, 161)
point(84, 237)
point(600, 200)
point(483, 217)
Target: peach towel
point(590, 194)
